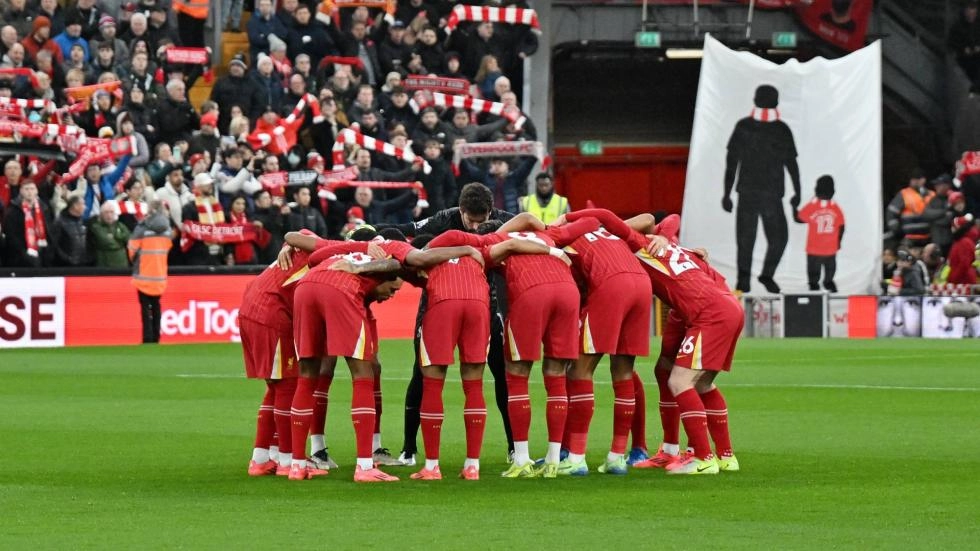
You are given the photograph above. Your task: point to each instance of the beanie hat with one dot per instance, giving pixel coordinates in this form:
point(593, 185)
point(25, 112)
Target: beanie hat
point(106, 20)
point(313, 158)
point(40, 22)
point(955, 197)
point(961, 221)
point(276, 43)
point(210, 118)
point(239, 59)
point(74, 17)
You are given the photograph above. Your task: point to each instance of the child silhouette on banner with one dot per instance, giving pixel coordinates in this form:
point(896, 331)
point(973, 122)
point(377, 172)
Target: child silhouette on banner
point(825, 229)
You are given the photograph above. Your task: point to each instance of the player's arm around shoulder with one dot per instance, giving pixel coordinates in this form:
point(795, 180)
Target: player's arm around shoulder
point(524, 221)
point(434, 256)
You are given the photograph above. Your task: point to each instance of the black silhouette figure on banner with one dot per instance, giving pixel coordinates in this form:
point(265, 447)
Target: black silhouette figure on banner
point(760, 150)
point(825, 229)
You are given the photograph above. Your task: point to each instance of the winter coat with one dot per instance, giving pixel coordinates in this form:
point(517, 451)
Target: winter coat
point(109, 243)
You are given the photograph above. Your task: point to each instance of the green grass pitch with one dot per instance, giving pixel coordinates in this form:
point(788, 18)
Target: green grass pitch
point(843, 444)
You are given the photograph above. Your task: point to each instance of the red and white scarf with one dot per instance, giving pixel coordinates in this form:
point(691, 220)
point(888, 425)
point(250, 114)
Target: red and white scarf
point(137, 208)
point(208, 210)
point(424, 99)
point(350, 136)
point(35, 232)
point(511, 15)
point(765, 115)
point(191, 231)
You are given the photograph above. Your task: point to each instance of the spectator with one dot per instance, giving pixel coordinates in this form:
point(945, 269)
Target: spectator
point(234, 179)
point(359, 45)
point(309, 36)
point(207, 139)
point(376, 211)
point(452, 66)
point(148, 247)
point(231, 15)
point(76, 61)
point(888, 265)
point(19, 17)
point(964, 40)
point(10, 181)
point(428, 55)
point(939, 215)
point(126, 128)
point(26, 224)
point(139, 33)
point(372, 126)
point(109, 237)
point(263, 23)
point(425, 12)
point(303, 216)
point(131, 207)
point(486, 77)
point(176, 118)
point(55, 14)
point(102, 113)
point(90, 14)
point(107, 34)
point(159, 168)
point(45, 63)
point(287, 12)
point(304, 68)
point(71, 245)
point(904, 216)
point(932, 259)
point(400, 111)
point(8, 37)
point(544, 203)
point(236, 88)
point(963, 253)
point(480, 44)
point(72, 35)
point(430, 128)
point(191, 17)
point(393, 53)
point(175, 194)
point(325, 133)
point(39, 38)
point(270, 214)
point(440, 184)
point(506, 185)
point(343, 90)
point(204, 209)
point(105, 59)
point(97, 187)
point(139, 75)
point(526, 132)
point(908, 279)
point(268, 83)
point(462, 128)
point(364, 101)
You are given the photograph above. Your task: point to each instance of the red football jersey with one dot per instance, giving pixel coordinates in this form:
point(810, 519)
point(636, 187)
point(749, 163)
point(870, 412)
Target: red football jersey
point(824, 220)
point(355, 252)
point(269, 296)
point(521, 271)
point(677, 278)
point(596, 254)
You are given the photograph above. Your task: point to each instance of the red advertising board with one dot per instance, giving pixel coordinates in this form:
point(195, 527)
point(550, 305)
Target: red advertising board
point(86, 311)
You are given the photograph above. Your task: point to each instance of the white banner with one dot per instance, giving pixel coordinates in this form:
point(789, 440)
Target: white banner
point(756, 126)
point(32, 312)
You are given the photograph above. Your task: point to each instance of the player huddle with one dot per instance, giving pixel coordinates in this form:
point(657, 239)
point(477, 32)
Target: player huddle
point(575, 290)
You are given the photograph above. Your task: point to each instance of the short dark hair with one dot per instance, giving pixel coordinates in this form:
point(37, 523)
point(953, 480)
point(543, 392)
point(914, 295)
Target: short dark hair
point(542, 176)
point(489, 226)
point(73, 200)
point(364, 233)
point(766, 97)
point(475, 198)
point(825, 187)
point(422, 240)
point(392, 234)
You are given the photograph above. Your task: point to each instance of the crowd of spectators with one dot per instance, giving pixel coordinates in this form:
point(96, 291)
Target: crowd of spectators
point(197, 161)
point(931, 239)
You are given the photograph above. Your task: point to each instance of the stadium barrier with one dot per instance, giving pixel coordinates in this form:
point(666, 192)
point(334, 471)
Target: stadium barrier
point(88, 311)
point(822, 315)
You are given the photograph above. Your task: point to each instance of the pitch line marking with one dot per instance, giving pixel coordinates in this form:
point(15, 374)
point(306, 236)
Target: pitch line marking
point(743, 385)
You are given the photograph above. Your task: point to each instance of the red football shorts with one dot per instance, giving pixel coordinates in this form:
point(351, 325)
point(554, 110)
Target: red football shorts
point(330, 322)
point(545, 314)
point(455, 323)
point(616, 317)
point(268, 351)
point(709, 342)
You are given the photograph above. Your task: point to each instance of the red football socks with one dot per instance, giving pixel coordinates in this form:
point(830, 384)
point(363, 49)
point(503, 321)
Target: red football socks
point(717, 410)
point(557, 411)
point(431, 415)
point(518, 406)
point(302, 415)
point(695, 422)
point(320, 402)
point(285, 389)
point(474, 417)
point(362, 415)
point(265, 426)
point(623, 408)
point(581, 406)
point(669, 413)
point(639, 428)
point(377, 404)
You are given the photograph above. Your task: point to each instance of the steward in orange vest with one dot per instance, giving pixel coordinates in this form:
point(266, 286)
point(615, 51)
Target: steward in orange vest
point(904, 213)
point(148, 249)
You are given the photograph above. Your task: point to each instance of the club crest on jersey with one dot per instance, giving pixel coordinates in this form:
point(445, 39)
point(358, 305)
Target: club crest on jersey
point(355, 258)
